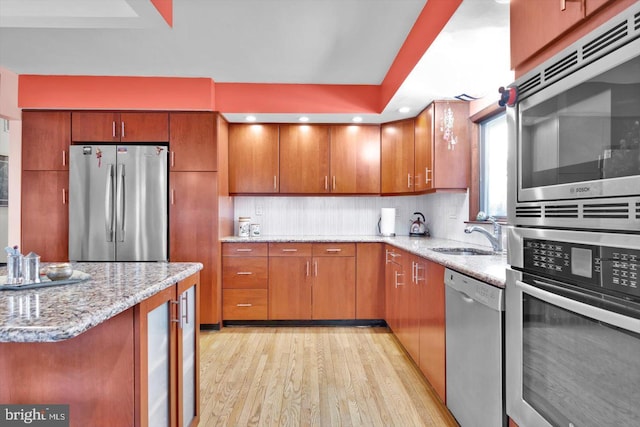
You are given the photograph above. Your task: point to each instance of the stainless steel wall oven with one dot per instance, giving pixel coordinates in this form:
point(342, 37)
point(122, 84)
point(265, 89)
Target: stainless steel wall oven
point(572, 301)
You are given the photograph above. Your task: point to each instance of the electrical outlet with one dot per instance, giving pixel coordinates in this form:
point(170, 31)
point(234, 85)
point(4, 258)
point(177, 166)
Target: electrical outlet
point(259, 208)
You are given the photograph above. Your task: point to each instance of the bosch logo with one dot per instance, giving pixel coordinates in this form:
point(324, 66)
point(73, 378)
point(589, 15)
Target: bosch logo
point(583, 189)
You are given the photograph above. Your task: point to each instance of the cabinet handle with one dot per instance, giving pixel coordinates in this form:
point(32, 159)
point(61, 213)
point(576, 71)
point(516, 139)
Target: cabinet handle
point(185, 316)
point(315, 268)
point(244, 250)
point(563, 4)
point(173, 196)
point(275, 183)
point(427, 171)
point(179, 314)
point(413, 272)
point(122, 134)
point(64, 196)
point(64, 157)
point(307, 269)
point(173, 159)
point(334, 250)
point(326, 182)
point(408, 180)
point(334, 182)
point(398, 274)
point(418, 278)
point(244, 305)
point(244, 273)
point(113, 129)
point(289, 250)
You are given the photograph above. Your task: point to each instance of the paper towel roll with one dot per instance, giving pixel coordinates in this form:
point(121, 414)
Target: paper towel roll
point(388, 221)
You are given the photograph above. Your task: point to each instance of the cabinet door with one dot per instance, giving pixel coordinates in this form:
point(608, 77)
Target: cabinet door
point(432, 328)
point(46, 136)
point(451, 164)
point(424, 150)
point(158, 352)
point(188, 357)
point(535, 24)
point(45, 214)
point(304, 159)
point(355, 159)
point(192, 142)
point(144, 127)
point(395, 280)
point(334, 288)
point(370, 281)
point(289, 288)
point(95, 126)
point(397, 157)
point(193, 216)
point(414, 306)
point(253, 158)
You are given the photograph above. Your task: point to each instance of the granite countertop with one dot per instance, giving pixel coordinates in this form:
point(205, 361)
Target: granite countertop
point(487, 268)
point(58, 313)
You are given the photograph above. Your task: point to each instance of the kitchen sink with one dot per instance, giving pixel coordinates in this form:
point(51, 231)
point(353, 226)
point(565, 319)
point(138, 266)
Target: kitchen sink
point(462, 251)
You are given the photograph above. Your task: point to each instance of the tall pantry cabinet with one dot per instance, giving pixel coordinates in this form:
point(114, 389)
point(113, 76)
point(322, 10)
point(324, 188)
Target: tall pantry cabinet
point(197, 145)
point(46, 136)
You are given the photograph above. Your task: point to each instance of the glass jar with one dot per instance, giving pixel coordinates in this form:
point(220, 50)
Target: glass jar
point(244, 225)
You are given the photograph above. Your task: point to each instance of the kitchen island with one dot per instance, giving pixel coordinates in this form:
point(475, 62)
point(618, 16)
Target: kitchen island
point(120, 348)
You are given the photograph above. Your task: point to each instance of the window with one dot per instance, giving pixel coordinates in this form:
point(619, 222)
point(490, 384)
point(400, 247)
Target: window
point(493, 166)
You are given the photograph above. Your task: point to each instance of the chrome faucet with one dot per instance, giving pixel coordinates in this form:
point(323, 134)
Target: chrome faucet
point(495, 239)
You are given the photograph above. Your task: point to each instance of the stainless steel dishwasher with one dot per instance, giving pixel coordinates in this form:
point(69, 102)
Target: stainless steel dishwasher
point(474, 342)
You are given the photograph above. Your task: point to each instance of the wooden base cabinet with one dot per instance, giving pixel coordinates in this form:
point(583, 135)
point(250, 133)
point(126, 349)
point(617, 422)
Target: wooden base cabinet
point(245, 279)
point(370, 278)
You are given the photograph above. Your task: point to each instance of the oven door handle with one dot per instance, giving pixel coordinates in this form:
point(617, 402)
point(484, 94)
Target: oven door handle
point(610, 317)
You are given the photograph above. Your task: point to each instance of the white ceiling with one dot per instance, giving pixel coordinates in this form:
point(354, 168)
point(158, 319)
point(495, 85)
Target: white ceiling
point(262, 41)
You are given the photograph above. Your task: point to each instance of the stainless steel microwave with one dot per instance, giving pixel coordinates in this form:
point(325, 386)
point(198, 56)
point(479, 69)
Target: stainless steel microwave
point(574, 132)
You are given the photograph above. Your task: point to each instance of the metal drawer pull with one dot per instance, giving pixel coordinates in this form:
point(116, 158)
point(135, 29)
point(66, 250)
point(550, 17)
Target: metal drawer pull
point(289, 250)
point(122, 135)
point(113, 129)
point(244, 250)
point(244, 273)
point(334, 250)
point(244, 305)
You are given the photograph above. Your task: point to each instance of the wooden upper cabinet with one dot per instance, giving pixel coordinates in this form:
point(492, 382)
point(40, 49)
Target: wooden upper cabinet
point(397, 164)
point(192, 141)
point(304, 159)
point(92, 126)
point(355, 159)
point(423, 150)
point(451, 162)
point(253, 158)
point(46, 136)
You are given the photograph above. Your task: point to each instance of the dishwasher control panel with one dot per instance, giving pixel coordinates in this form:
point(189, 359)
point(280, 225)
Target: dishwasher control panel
point(475, 290)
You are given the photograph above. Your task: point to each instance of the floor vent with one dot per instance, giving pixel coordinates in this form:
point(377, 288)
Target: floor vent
point(605, 41)
point(561, 211)
point(606, 210)
point(528, 211)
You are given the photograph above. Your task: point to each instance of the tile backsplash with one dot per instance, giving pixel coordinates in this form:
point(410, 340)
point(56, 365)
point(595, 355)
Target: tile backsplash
point(325, 216)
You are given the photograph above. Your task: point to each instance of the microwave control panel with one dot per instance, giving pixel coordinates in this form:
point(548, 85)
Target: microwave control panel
point(605, 267)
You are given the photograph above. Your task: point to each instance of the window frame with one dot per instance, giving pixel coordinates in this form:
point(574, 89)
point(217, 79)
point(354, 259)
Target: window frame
point(476, 119)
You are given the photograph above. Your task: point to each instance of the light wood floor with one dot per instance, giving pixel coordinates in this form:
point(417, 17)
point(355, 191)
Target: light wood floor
point(303, 376)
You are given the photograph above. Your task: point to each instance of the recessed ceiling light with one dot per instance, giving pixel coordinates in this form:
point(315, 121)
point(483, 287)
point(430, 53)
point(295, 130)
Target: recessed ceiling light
point(357, 119)
point(404, 110)
point(304, 119)
point(250, 118)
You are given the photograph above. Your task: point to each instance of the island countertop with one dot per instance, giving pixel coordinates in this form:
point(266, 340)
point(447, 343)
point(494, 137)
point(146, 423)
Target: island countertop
point(487, 268)
point(58, 313)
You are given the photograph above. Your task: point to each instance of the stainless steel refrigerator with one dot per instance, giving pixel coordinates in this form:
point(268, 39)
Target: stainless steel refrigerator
point(118, 203)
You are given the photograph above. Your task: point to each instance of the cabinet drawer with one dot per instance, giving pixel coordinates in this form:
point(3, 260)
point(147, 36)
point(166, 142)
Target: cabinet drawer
point(334, 249)
point(244, 249)
point(245, 272)
point(290, 249)
point(244, 304)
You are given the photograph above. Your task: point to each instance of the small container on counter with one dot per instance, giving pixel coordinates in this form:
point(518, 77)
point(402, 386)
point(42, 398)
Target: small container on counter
point(31, 268)
point(244, 226)
point(14, 269)
point(255, 230)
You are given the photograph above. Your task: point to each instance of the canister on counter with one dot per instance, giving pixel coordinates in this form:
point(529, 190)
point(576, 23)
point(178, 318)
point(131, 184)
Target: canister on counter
point(255, 230)
point(244, 226)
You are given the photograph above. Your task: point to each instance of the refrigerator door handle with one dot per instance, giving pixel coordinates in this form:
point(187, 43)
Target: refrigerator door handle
point(120, 203)
point(108, 205)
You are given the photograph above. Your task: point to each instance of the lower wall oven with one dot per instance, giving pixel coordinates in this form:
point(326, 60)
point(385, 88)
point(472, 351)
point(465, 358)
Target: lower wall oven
point(573, 328)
